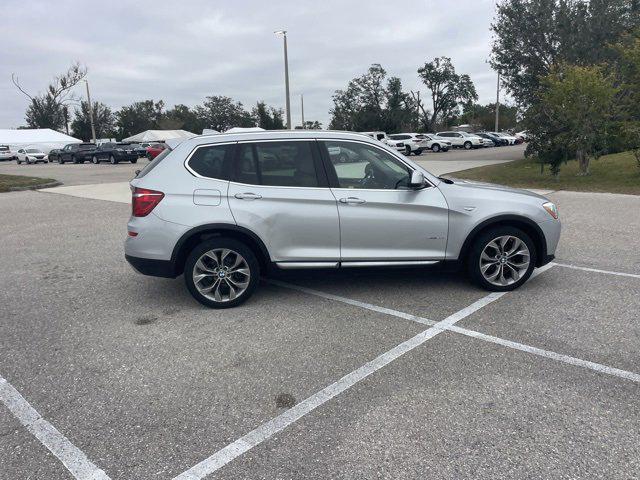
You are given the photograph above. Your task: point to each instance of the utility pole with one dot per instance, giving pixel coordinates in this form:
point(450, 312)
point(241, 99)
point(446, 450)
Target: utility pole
point(286, 77)
point(65, 112)
point(93, 128)
point(418, 112)
point(497, 102)
point(302, 107)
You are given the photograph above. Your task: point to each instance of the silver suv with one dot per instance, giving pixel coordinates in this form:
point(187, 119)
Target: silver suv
point(222, 208)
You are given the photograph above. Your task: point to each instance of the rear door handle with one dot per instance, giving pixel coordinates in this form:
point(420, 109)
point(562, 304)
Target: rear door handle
point(247, 196)
point(352, 200)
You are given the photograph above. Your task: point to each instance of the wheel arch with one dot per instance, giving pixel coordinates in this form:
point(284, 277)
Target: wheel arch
point(196, 235)
point(525, 224)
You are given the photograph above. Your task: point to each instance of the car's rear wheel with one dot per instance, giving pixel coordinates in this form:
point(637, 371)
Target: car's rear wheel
point(407, 150)
point(135, 160)
point(94, 160)
point(501, 259)
point(435, 148)
point(221, 273)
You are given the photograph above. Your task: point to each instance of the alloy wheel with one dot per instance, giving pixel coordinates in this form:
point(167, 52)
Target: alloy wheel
point(504, 260)
point(221, 275)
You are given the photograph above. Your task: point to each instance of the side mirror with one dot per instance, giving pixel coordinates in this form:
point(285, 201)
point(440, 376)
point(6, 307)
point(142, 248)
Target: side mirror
point(417, 179)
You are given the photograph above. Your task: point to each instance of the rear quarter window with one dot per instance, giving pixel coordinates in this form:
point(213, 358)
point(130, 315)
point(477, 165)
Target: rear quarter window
point(153, 163)
point(212, 161)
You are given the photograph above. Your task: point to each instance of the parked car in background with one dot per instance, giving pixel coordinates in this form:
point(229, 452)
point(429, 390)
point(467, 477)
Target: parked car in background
point(6, 153)
point(54, 155)
point(139, 149)
point(462, 140)
point(31, 155)
point(509, 138)
point(378, 209)
point(413, 142)
point(155, 149)
point(524, 135)
point(489, 141)
point(114, 152)
point(382, 136)
point(76, 153)
point(436, 143)
point(499, 141)
point(398, 145)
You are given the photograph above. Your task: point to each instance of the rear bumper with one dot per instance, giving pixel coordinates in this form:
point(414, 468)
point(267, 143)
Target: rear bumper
point(152, 267)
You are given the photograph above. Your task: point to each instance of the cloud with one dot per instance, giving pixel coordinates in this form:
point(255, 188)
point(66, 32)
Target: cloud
point(183, 51)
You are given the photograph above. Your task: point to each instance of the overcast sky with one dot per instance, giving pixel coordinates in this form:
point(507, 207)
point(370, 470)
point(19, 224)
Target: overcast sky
point(183, 51)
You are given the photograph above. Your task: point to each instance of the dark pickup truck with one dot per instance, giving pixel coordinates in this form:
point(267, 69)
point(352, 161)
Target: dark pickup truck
point(75, 152)
point(117, 152)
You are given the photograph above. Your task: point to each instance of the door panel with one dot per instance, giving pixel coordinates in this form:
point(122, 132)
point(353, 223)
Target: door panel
point(381, 218)
point(392, 224)
point(296, 223)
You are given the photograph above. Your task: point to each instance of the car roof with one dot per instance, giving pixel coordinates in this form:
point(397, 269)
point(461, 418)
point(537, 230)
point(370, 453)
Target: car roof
point(278, 135)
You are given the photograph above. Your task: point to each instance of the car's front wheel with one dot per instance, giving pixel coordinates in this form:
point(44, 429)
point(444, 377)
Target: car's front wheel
point(221, 273)
point(94, 160)
point(112, 159)
point(435, 148)
point(135, 160)
point(468, 145)
point(501, 259)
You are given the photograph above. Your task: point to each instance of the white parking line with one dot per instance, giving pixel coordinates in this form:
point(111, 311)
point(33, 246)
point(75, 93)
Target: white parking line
point(478, 335)
point(282, 421)
point(71, 456)
point(596, 270)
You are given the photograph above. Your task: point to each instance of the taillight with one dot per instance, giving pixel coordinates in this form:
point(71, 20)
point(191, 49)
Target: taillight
point(143, 201)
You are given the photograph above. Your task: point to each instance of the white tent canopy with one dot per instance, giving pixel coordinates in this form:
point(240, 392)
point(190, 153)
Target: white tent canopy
point(244, 129)
point(43, 138)
point(158, 135)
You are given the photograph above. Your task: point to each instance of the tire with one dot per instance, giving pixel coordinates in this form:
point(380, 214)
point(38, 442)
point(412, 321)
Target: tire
point(112, 160)
point(95, 160)
point(468, 145)
point(219, 245)
point(135, 160)
point(407, 150)
point(73, 159)
point(497, 259)
point(435, 148)
point(18, 161)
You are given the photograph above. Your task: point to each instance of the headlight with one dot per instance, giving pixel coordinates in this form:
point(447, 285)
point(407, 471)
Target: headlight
point(551, 208)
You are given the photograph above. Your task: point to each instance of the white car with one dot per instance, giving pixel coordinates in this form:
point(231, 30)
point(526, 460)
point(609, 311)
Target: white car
point(399, 145)
point(413, 142)
point(31, 155)
point(6, 153)
point(381, 136)
point(510, 138)
point(462, 140)
point(436, 143)
point(524, 135)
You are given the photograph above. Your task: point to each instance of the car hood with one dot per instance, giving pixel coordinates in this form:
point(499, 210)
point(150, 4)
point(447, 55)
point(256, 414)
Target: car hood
point(492, 186)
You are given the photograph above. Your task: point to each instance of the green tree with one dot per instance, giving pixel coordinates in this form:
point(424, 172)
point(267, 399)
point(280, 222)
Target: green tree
point(138, 117)
point(573, 115)
point(222, 113)
point(47, 110)
point(448, 89)
point(103, 120)
point(268, 118)
point(483, 117)
point(181, 117)
point(532, 36)
point(370, 103)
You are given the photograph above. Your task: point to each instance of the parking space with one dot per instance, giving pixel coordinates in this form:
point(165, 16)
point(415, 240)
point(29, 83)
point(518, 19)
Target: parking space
point(321, 374)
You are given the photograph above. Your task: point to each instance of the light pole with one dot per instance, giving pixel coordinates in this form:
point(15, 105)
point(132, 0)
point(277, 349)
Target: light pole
point(497, 102)
point(286, 76)
point(93, 128)
point(302, 107)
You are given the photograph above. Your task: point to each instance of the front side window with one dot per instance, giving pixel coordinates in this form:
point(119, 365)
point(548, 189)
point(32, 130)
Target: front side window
point(277, 164)
point(209, 161)
point(399, 137)
point(358, 165)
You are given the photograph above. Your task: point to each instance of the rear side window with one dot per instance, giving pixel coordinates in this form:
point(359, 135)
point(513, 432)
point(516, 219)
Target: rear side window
point(210, 161)
point(399, 137)
point(282, 164)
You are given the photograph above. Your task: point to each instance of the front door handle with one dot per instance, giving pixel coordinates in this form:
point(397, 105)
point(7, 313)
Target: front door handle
point(247, 196)
point(352, 200)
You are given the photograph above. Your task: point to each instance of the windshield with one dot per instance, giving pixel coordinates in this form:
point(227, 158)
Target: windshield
point(86, 146)
point(33, 150)
point(4, 148)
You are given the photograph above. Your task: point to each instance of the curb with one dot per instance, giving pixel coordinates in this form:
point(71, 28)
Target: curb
point(35, 187)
